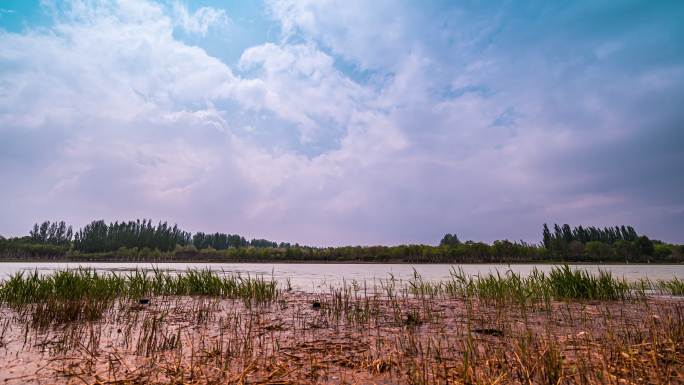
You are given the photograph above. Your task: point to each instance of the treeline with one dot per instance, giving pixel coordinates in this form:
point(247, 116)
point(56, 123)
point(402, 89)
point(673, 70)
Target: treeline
point(49, 239)
point(581, 234)
point(221, 241)
point(466, 252)
point(612, 244)
point(52, 233)
point(99, 236)
point(142, 240)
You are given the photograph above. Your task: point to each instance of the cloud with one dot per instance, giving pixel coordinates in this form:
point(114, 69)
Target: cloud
point(302, 86)
point(375, 35)
point(134, 128)
point(359, 123)
point(579, 109)
point(199, 21)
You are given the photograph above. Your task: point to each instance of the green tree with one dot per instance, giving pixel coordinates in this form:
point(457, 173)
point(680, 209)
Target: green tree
point(450, 240)
point(644, 246)
point(662, 251)
point(576, 249)
point(546, 234)
point(598, 250)
point(625, 250)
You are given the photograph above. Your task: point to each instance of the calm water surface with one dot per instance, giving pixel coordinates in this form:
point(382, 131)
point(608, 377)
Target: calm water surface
point(318, 276)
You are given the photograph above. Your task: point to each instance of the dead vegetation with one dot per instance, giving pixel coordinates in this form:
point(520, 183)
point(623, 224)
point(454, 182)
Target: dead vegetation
point(391, 333)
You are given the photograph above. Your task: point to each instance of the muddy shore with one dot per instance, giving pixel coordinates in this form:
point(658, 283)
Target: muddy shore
point(350, 337)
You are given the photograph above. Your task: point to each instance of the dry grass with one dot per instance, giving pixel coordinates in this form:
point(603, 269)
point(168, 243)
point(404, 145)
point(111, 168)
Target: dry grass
point(398, 332)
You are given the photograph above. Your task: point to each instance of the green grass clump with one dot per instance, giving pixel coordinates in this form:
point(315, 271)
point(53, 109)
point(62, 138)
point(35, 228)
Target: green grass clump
point(499, 287)
point(674, 286)
point(561, 283)
point(200, 282)
point(66, 285)
point(76, 284)
point(566, 283)
point(84, 294)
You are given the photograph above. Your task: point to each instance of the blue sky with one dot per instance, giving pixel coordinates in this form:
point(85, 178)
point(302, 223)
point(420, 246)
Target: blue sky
point(357, 122)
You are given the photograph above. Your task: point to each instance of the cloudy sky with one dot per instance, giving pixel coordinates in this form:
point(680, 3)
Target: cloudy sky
point(346, 122)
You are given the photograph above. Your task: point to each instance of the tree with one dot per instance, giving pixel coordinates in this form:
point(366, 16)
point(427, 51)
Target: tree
point(625, 249)
point(43, 232)
point(450, 240)
point(53, 233)
point(98, 236)
point(644, 245)
point(662, 251)
point(567, 233)
point(598, 250)
point(35, 233)
point(576, 248)
point(546, 237)
point(607, 235)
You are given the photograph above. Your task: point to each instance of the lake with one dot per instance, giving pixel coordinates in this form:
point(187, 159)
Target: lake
point(319, 276)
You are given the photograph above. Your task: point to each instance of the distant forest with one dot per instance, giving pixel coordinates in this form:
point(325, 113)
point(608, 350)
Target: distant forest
point(143, 240)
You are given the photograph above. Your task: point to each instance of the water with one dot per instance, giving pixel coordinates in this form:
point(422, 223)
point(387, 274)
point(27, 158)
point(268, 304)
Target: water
point(319, 276)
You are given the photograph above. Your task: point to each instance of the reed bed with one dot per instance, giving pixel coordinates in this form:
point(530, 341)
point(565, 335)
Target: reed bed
point(561, 283)
point(22, 288)
point(85, 294)
point(558, 328)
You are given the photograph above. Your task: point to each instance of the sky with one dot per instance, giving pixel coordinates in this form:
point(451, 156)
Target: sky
point(344, 123)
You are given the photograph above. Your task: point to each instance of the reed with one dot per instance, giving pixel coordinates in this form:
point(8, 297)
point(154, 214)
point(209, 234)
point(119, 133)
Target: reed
point(566, 283)
point(85, 294)
point(80, 283)
point(561, 283)
point(673, 287)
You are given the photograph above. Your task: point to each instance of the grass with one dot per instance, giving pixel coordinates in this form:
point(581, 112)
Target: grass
point(85, 294)
point(202, 327)
point(561, 283)
point(77, 284)
point(673, 287)
point(87, 284)
point(566, 283)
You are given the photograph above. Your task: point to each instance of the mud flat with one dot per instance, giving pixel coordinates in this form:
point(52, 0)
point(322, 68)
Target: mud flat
point(464, 331)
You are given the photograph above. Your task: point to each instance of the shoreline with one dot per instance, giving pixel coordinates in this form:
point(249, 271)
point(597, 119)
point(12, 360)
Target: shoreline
point(326, 262)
